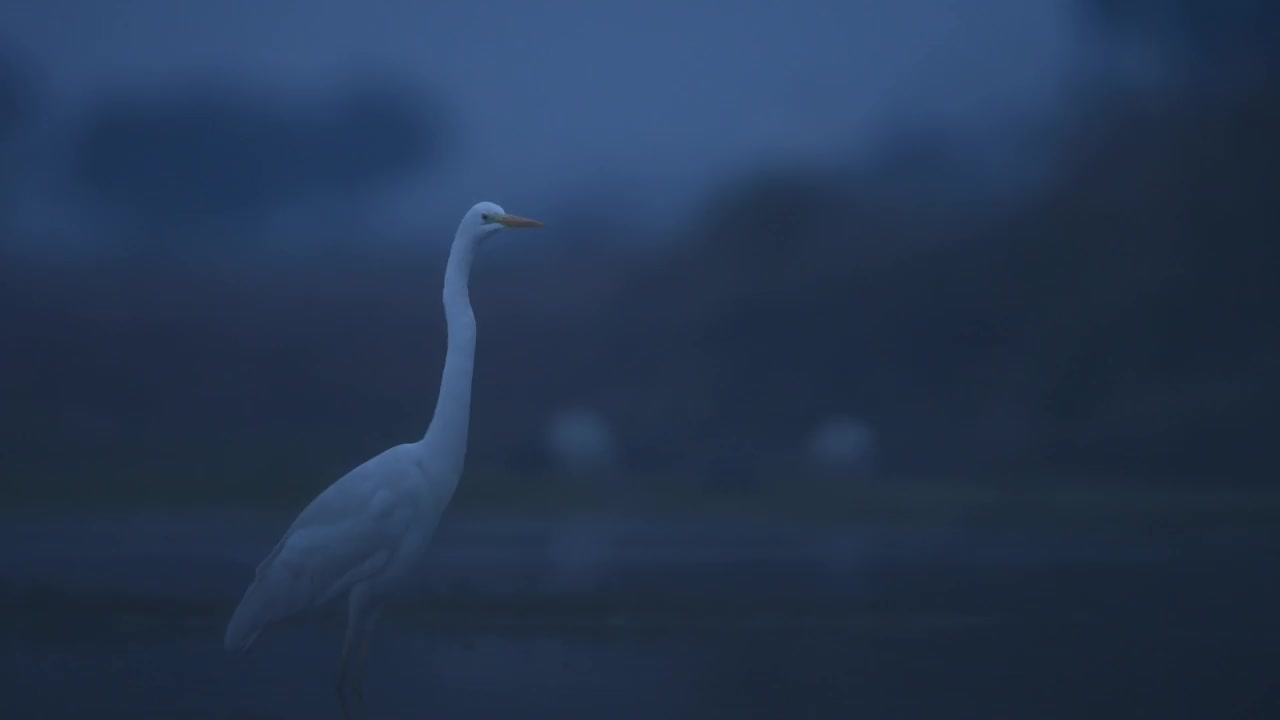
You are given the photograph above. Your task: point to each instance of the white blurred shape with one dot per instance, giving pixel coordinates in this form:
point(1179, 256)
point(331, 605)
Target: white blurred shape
point(580, 442)
point(844, 446)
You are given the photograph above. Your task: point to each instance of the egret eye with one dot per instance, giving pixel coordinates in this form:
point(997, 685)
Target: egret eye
point(485, 217)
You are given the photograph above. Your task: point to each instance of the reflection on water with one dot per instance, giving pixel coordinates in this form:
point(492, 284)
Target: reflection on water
point(1185, 632)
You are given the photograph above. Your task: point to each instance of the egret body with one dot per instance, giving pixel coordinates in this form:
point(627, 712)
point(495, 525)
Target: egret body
point(362, 536)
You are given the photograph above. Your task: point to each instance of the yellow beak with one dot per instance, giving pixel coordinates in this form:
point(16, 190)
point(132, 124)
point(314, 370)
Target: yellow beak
point(515, 221)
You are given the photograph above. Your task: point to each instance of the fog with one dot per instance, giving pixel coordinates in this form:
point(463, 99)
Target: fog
point(928, 346)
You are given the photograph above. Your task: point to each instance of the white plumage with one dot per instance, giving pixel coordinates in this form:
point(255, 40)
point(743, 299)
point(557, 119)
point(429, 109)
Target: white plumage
point(363, 535)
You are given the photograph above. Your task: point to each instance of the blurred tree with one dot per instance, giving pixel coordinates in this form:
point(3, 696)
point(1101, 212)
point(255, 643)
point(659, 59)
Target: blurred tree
point(1207, 40)
point(1115, 320)
point(18, 100)
point(1149, 256)
point(214, 152)
point(1118, 319)
point(17, 96)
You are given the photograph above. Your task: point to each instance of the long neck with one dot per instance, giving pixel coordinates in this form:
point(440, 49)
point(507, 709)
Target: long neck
point(446, 439)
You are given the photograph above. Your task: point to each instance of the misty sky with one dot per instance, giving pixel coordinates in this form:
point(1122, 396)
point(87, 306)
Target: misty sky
point(560, 95)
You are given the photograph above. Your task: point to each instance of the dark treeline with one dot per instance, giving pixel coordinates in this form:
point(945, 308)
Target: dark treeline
point(1117, 321)
point(214, 152)
point(16, 96)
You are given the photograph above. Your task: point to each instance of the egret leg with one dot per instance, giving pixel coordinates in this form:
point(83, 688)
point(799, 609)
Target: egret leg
point(359, 615)
point(344, 666)
point(342, 680)
point(362, 651)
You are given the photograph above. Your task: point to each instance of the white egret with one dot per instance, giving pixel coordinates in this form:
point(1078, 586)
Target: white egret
point(363, 535)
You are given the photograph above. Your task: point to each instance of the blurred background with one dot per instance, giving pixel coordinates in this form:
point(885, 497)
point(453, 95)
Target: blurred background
point(878, 359)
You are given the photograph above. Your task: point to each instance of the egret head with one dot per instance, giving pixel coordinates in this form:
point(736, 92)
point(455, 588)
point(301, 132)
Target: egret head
point(487, 218)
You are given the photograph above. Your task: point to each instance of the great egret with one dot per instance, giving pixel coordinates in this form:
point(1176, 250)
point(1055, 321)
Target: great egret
point(363, 535)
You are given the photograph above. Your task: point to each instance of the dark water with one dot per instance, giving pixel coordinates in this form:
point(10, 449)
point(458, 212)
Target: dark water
point(602, 619)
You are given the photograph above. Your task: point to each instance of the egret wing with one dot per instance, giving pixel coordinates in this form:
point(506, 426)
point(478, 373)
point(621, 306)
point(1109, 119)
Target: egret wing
point(347, 534)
